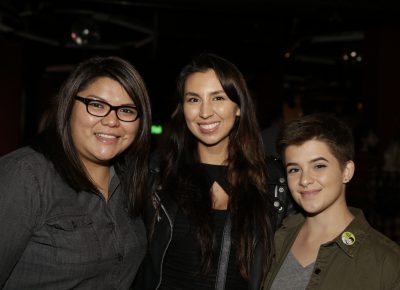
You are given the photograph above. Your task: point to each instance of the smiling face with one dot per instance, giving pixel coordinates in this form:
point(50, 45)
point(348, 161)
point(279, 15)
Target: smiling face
point(316, 178)
point(210, 114)
point(99, 139)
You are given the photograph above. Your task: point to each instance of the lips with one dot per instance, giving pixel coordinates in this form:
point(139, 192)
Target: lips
point(106, 138)
point(209, 127)
point(310, 193)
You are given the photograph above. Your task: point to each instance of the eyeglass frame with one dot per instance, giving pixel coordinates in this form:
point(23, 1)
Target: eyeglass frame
point(86, 101)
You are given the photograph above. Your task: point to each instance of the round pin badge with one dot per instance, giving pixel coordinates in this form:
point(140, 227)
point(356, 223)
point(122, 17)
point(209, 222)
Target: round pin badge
point(348, 238)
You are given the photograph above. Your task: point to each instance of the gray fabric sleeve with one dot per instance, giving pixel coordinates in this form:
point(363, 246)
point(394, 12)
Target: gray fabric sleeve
point(19, 203)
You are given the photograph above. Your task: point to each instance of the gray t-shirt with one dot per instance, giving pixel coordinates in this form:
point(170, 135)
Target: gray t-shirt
point(292, 275)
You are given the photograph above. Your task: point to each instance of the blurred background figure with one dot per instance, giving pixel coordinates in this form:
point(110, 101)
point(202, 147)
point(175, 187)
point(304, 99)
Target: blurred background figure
point(290, 109)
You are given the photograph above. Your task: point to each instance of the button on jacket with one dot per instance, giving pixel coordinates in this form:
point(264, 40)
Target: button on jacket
point(54, 238)
point(371, 262)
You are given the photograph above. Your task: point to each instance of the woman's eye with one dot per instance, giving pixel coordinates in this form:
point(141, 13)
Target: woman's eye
point(128, 110)
point(192, 100)
point(319, 166)
point(292, 170)
point(219, 98)
point(96, 105)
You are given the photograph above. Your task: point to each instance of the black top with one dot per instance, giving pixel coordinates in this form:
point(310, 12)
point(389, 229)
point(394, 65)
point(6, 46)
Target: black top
point(182, 260)
point(181, 264)
point(215, 173)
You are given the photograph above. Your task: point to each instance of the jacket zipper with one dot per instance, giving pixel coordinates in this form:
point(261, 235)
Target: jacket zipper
point(169, 241)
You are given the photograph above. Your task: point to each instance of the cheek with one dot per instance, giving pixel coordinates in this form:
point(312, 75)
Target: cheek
point(81, 119)
point(189, 113)
point(292, 181)
point(76, 123)
point(132, 130)
point(228, 113)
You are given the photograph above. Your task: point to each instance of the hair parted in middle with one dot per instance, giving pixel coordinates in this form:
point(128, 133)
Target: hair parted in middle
point(249, 206)
point(57, 142)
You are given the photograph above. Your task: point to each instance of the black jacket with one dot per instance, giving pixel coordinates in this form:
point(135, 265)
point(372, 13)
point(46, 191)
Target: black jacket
point(149, 276)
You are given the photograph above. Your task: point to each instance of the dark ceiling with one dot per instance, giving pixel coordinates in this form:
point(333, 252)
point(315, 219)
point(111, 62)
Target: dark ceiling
point(278, 41)
point(174, 26)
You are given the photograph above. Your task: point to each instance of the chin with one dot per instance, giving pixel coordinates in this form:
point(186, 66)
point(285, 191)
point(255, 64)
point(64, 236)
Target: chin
point(106, 158)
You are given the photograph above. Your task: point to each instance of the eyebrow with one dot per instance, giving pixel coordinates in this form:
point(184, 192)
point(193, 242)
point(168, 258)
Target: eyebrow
point(218, 92)
point(97, 98)
point(190, 94)
point(197, 95)
point(311, 161)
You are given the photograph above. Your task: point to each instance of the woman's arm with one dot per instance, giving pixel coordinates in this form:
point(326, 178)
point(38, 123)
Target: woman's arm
point(19, 201)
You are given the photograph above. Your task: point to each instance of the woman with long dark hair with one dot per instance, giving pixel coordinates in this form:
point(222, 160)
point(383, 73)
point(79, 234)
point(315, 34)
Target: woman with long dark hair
point(70, 203)
point(212, 218)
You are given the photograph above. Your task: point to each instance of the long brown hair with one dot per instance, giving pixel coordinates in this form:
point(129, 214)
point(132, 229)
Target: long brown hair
point(56, 141)
point(250, 207)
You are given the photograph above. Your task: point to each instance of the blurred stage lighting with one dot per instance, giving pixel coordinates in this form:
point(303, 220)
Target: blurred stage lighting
point(85, 32)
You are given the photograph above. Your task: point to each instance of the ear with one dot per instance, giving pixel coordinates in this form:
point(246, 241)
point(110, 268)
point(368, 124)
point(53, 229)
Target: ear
point(238, 112)
point(348, 171)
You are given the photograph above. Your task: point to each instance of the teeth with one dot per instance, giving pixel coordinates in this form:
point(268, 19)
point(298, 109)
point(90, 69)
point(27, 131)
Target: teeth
point(209, 126)
point(106, 136)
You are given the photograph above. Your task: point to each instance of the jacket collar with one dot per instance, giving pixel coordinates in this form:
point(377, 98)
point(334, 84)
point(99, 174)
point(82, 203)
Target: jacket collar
point(351, 238)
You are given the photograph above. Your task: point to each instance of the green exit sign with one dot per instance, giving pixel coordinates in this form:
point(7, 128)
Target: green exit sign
point(156, 129)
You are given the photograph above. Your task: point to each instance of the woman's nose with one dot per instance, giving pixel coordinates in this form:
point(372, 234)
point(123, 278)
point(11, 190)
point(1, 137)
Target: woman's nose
point(111, 119)
point(206, 110)
point(306, 178)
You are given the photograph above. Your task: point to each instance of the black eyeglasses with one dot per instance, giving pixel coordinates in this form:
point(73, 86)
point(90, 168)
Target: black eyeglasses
point(101, 109)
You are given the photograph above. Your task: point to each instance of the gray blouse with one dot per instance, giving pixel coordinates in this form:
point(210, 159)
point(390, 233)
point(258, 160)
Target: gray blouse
point(54, 238)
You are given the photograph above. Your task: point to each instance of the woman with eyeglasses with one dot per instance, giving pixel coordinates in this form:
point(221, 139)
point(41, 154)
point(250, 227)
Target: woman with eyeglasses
point(211, 219)
point(70, 203)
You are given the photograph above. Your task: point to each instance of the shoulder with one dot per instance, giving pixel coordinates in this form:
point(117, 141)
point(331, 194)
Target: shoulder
point(292, 221)
point(383, 254)
point(24, 157)
point(25, 166)
point(375, 249)
point(383, 246)
point(370, 238)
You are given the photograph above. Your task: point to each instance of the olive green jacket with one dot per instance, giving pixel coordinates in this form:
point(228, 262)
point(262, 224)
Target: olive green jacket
point(360, 258)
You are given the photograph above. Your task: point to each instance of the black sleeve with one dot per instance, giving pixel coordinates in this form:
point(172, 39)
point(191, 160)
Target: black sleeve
point(146, 277)
point(277, 186)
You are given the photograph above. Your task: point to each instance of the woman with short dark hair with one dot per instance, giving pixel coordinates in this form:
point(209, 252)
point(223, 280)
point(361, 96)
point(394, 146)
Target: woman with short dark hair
point(328, 245)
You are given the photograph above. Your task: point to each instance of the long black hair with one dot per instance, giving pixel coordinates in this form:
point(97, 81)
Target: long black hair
point(56, 141)
point(250, 207)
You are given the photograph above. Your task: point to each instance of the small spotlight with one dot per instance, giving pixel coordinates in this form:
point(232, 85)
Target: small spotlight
point(84, 31)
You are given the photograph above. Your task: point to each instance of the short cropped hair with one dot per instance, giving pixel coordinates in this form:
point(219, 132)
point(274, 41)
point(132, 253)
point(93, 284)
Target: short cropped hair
point(326, 128)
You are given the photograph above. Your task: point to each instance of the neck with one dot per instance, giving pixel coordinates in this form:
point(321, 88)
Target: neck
point(216, 155)
point(330, 223)
point(100, 175)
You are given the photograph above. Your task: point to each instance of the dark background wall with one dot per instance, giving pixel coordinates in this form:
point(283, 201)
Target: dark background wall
point(343, 55)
